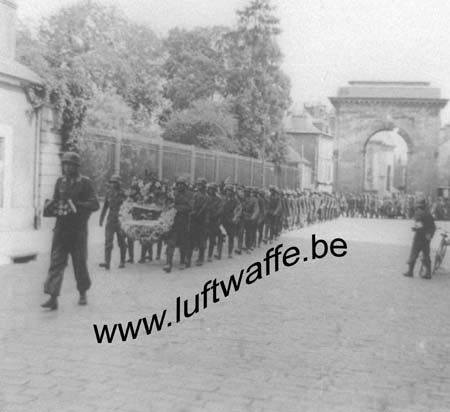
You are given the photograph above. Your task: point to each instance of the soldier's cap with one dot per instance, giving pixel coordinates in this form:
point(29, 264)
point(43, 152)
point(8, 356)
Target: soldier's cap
point(115, 178)
point(71, 157)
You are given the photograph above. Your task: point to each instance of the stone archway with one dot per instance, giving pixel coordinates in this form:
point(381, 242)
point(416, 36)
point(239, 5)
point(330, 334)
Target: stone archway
point(385, 155)
point(365, 108)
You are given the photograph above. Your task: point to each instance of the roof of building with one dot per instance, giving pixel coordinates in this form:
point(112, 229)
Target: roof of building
point(300, 123)
point(15, 70)
point(388, 90)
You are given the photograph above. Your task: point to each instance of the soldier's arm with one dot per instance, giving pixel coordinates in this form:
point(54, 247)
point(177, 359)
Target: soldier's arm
point(90, 202)
point(104, 210)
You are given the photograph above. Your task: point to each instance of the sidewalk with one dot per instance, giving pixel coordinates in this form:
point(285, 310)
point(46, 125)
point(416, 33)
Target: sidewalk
point(38, 242)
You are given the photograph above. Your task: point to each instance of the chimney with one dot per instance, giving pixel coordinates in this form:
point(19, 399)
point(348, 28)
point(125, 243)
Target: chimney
point(8, 16)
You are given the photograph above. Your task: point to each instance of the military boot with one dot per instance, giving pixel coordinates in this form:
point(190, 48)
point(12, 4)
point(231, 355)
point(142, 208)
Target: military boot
point(201, 257)
point(410, 272)
point(219, 250)
point(123, 254)
point(130, 251)
point(107, 263)
point(182, 260)
point(168, 266)
point(51, 303)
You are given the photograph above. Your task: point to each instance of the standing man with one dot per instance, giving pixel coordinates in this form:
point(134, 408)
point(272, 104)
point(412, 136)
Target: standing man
point(199, 223)
point(178, 235)
point(113, 201)
point(424, 228)
point(71, 229)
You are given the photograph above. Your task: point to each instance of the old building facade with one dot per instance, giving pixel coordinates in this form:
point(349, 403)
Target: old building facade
point(364, 108)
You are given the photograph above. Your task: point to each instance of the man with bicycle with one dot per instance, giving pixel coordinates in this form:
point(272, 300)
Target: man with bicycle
point(424, 228)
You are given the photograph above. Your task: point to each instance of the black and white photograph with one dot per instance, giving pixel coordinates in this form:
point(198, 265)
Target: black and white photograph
point(224, 206)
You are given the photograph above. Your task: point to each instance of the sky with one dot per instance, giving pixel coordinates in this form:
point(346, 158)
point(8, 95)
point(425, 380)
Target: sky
point(325, 43)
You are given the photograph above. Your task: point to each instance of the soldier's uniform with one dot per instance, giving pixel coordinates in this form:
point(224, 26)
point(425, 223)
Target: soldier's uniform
point(198, 228)
point(70, 232)
point(214, 210)
point(250, 211)
point(113, 201)
point(178, 235)
point(424, 229)
point(261, 196)
point(232, 214)
point(274, 213)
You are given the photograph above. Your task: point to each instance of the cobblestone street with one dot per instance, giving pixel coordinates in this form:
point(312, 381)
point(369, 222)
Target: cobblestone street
point(336, 334)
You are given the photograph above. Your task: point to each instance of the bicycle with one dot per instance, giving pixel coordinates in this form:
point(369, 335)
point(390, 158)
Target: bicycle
point(440, 253)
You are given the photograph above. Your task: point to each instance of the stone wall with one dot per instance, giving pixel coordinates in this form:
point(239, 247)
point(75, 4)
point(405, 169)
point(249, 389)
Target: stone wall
point(417, 122)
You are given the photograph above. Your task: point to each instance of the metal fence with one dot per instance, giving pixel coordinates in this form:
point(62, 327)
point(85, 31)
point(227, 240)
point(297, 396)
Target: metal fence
point(104, 153)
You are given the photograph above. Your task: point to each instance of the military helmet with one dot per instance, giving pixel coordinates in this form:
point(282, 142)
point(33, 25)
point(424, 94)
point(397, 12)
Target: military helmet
point(212, 186)
point(182, 180)
point(115, 178)
point(71, 157)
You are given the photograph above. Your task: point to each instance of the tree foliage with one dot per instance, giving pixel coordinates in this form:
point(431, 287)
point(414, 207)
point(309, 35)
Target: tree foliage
point(88, 48)
point(195, 66)
point(255, 82)
point(206, 124)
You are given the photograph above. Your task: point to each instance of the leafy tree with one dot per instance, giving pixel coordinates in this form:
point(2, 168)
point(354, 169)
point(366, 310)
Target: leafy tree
point(256, 84)
point(195, 66)
point(206, 124)
point(87, 48)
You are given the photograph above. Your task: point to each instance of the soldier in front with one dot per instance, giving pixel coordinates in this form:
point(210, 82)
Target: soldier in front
point(71, 230)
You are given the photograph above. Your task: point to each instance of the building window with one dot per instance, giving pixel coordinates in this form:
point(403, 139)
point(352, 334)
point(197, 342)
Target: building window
point(2, 171)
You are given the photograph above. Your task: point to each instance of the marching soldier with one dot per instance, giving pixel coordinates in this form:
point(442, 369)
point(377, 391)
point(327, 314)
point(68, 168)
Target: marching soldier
point(232, 213)
point(179, 233)
point(215, 210)
point(199, 217)
point(71, 231)
point(250, 211)
point(113, 201)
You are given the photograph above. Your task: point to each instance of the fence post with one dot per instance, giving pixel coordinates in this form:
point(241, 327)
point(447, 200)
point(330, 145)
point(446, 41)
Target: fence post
point(160, 160)
point(117, 150)
point(216, 167)
point(192, 164)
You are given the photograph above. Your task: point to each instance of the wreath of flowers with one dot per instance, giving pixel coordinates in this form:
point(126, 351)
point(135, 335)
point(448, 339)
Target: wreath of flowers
point(145, 231)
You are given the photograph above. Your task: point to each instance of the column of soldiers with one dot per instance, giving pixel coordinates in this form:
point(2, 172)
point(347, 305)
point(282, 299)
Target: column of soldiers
point(211, 217)
point(395, 206)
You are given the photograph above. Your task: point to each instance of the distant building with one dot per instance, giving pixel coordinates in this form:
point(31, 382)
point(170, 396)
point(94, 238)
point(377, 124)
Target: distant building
point(379, 174)
point(294, 159)
point(309, 136)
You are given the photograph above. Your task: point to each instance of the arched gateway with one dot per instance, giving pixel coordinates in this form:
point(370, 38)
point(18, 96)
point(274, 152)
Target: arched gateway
point(412, 109)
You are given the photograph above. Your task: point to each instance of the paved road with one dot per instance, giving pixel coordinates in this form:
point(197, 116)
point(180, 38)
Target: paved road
point(336, 334)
